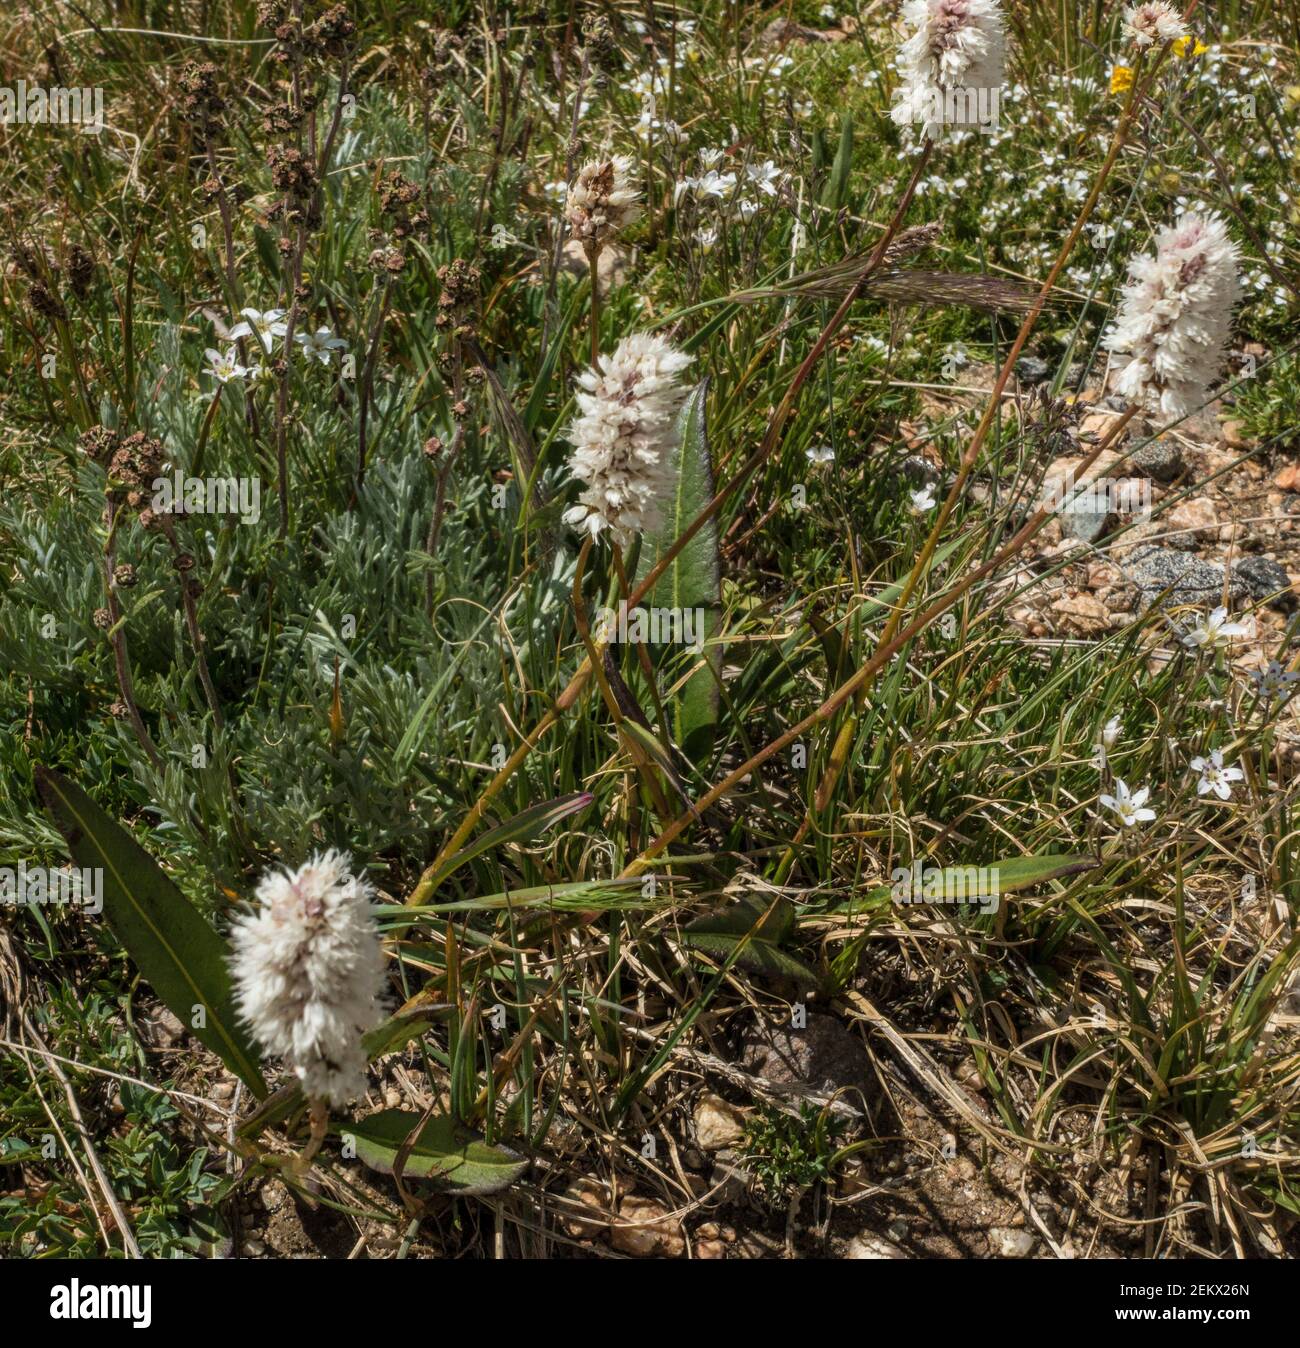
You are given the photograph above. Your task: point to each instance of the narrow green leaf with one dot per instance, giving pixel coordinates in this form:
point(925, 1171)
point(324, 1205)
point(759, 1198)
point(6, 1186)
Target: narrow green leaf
point(837, 186)
point(453, 1156)
point(173, 946)
point(694, 578)
point(957, 882)
point(523, 827)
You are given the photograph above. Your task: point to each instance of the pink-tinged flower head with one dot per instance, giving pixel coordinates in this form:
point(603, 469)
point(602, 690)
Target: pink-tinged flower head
point(1155, 21)
point(308, 970)
point(601, 200)
point(1176, 316)
point(625, 438)
point(951, 63)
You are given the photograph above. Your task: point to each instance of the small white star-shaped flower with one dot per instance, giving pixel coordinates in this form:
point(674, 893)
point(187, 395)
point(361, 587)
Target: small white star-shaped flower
point(1214, 776)
point(224, 368)
point(319, 345)
point(1129, 807)
point(264, 325)
point(923, 501)
point(1215, 631)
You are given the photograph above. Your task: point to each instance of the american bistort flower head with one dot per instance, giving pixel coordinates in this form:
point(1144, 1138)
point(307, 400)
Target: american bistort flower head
point(601, 200)
point(625, 437)
point(309, 971)
point(955, 48)
point(1176, 316)
point(1155, 21)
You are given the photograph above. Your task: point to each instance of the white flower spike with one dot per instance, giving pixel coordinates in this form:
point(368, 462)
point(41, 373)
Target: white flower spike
point(1176, 316)
point(601, 200)
point(308, 972)
point(954, 48)
point(625, 438)
point(1147, 24)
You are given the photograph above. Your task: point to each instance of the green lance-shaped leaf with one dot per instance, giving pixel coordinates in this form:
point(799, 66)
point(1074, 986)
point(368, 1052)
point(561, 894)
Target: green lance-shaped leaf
point(693, 580)
point(750, 933)
point(452, 1156)
point(955, 883)
point(172, 944)
point(523, 827)
point(836, 192)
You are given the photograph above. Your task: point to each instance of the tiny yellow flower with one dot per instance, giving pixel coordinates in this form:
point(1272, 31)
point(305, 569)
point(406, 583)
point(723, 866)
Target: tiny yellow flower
point(1190, 47)
point(1121, 79)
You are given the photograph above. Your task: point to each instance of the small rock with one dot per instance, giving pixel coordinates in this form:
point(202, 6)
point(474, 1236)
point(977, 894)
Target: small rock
point(920, 472)
point(1161, 459)
point(1289, 477)
point(710, 1249)
point(645, 1228)
point(729, 1182)
point(254, 1248)
point(1268, 580)
point(590, 1194)
point(823, 1055)
point(1192, 520)
point(1234, 435)
point(162, 1029)
point(1011, 1244)
point(1187, 579)
point(865, 1245)
point(1085, 525)
point(717, 1124)
point(1030, 371)
point(1084, 613)
point(1097, 424)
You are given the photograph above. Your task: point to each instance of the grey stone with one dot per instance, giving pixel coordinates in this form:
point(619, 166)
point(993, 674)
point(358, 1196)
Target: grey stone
point(1188, 579)
point(1030, 371)
point(1266, 579)
point(823, 1056)
point(1161, 460)
point(1085, 525)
